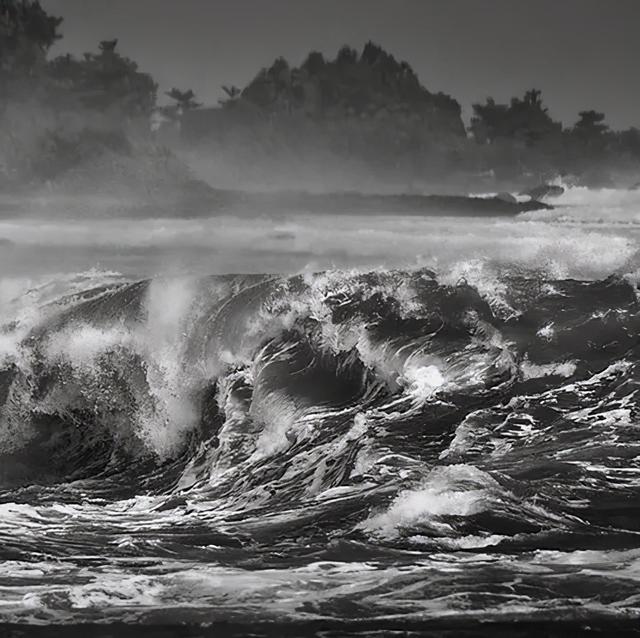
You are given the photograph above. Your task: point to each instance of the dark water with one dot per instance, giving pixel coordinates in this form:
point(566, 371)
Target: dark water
point(341, 454)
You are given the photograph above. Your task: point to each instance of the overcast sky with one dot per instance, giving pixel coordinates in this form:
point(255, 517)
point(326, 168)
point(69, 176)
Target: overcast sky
point(581, 53)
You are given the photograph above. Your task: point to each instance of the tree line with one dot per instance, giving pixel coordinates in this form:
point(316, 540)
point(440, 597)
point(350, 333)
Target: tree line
point(57, 112)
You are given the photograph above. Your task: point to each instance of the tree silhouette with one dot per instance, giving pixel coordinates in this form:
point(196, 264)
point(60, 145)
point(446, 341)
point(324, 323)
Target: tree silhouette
point(591, 124)
point(533, 98)
point(526, 120)
point(108, 46)
point(371, 53)
point(346, 56)
point(233, 94)
point(314, 63)
point(488, 122)
point(629, 142)
point(27, 32)
point(106, 80)
point(232, 91)
point(279, 72)
point(185, 100)
point(591, 134)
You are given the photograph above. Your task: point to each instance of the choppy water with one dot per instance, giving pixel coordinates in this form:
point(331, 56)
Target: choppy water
point(434, 423)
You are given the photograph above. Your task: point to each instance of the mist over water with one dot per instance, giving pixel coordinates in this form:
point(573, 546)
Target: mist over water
point(588, 234)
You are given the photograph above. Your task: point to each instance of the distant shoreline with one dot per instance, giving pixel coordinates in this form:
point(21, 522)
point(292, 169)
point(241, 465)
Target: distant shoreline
point(215, 202)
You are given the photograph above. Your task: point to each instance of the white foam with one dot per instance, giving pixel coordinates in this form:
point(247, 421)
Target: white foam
point(535, 371)
point(422, 381)
point(454, 490)
point(164, 408)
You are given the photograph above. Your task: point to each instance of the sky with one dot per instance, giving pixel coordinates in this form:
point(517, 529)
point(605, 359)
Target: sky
point(582, 54)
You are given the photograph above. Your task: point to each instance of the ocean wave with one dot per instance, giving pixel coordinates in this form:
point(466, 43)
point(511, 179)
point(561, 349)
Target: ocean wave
point(132, 364)
point(351, 419)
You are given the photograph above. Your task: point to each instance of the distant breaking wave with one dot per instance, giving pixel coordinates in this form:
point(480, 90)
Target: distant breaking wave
point(583, 206)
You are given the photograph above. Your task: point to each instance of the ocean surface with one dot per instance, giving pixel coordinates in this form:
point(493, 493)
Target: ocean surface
point(331, 425)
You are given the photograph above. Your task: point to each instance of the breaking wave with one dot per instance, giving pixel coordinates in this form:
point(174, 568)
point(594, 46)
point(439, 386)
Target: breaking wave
point(229, 372)
point(265, 423)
